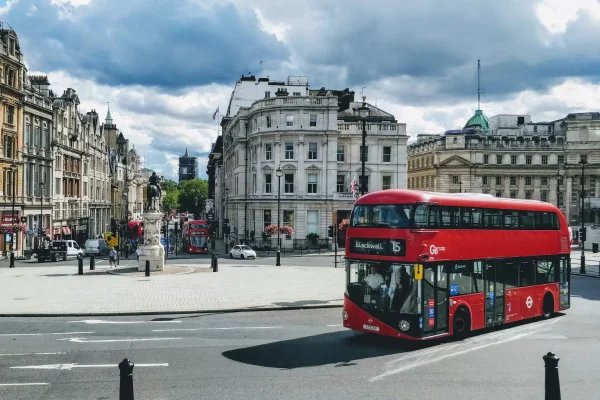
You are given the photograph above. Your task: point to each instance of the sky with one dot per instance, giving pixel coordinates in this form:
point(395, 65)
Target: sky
point(164, 66)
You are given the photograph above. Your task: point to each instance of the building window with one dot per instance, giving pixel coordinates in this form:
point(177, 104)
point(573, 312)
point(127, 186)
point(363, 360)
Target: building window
point(312, 151)
point(498, 159)
point(268, 151)
point(386, 182)
point(544, 181)
point(455, 179)
point(57, 185)
point(269, 122)
point(561, 160)
point(528, 181)
point(366, 183)
point(340, 153)
point(513, 195)
point(313, 119)
point(312, 183)
point(498, 194)
point(513, 181)
point(289, 120)
point(544, 160)
point(289, 151)
point(513, 160)
point(498, 180)
point(11, 46)
point(544, 196)
point(266, 218)
point(535, 128)
point(528, 160)
point(8, 146)
point(289, 183)
point(268, 183)
point(387, 154)
point(297, 94)
point(584, 157)
point(288, 218)
point(312, 221)
point(11, 78)
point(267, 95)
point(341, 184)
point(527, 195)
point(365, 153)
point(485, 180)
point(11, 115)
point(253, 183)
point(486, 159)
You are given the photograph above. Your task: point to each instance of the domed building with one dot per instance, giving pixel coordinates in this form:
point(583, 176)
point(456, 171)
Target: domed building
point(478, 121)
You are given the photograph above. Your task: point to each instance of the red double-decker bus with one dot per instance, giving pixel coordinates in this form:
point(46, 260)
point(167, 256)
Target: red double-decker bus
point(195, 235)
point(422, 265)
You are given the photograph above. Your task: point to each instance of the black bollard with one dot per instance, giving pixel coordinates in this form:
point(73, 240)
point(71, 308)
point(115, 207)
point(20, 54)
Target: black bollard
point(552, 381)
point(126, 386)
point(80, 262)
point(215, 263)
point(11, 263)
point(147, 267)
point(92, 263)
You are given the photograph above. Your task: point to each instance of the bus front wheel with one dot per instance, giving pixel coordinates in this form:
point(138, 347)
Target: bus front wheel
point(461, 325)
point(548, 306)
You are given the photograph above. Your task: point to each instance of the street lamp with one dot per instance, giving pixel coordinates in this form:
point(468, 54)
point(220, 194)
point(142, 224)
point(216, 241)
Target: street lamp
point(226, 207)
point(279, 174)
point(13, 170)
point(460, 186)
point(559, 176)
point(40, 229)
point(364, 113)
point(583, 162)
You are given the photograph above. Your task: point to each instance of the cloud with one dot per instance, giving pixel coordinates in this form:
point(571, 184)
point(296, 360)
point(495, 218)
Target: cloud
point(166, 44)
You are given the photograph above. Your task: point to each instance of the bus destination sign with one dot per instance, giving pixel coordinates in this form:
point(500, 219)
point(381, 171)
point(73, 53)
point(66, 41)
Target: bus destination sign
point(378, 247)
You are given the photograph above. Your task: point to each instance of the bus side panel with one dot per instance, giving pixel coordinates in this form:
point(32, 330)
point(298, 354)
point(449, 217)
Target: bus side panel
point(475, 304)
point(528, 301)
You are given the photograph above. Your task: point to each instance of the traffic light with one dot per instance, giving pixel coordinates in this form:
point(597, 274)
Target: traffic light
point(582, 234)
point(162, 230)
point(330, 231)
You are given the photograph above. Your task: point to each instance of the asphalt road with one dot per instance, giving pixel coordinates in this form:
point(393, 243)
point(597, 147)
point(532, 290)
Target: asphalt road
point(293, 355)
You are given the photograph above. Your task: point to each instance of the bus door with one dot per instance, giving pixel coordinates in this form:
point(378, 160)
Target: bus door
point(435, 298)
point(564, 277)
point(494, 291)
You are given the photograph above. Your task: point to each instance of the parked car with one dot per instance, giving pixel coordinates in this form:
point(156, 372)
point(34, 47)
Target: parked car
point(97, 247)
point(242, 251)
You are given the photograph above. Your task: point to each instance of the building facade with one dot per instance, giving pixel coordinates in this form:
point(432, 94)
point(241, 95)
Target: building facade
point(315, 141)
point(188, 167)
point(135, 186)
point(12, 72)
point(38, 157)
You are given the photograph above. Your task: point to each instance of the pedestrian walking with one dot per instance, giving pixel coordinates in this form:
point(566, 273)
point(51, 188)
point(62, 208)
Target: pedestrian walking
point(112, 257)
point(138, 252)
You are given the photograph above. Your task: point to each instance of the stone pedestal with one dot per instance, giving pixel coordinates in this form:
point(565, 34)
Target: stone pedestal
point(152, 249)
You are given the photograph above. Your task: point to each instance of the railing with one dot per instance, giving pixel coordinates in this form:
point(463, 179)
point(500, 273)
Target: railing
point(294, 101)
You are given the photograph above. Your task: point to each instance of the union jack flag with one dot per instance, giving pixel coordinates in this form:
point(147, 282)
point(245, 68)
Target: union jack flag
point(354, 187)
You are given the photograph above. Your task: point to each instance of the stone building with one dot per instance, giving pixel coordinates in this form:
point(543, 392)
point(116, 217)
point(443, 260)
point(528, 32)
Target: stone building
point(188, 167)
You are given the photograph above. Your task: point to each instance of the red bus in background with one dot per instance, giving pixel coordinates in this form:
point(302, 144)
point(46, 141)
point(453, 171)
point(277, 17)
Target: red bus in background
point(423, 265)
point(195, 235)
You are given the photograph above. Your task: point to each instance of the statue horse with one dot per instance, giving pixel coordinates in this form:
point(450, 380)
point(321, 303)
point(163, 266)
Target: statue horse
point(153, 197)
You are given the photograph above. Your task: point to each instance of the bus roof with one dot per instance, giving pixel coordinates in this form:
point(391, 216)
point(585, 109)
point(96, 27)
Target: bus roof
point(195, 221)
point(405, 196)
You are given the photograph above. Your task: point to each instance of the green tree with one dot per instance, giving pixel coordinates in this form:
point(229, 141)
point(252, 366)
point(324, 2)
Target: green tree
point(170, 195)
point(168, 185)
point(192, 195)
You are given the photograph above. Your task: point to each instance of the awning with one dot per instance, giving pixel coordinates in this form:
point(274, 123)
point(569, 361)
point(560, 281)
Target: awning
point(66, 230)
point(57, 231)
point(132, 224)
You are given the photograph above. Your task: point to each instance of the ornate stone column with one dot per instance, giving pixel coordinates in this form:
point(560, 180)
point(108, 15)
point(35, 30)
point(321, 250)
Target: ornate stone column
point(152, 248)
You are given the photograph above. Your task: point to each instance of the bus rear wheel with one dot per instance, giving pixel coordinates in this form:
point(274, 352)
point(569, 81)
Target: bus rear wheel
point(548, 306)
point(461, 325)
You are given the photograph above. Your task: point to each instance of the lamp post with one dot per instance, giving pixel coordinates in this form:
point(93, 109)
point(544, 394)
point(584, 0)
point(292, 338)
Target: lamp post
point(460, 186)
point(124, 227)
point(279, 174)
point(40, 229)
point(226, 221)
point(13, 170)
point(583, 162)
point(364, 113)
point(559, 176)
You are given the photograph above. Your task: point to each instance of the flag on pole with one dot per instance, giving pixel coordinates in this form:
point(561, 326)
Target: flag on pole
point(353, 187)
point(215, 114)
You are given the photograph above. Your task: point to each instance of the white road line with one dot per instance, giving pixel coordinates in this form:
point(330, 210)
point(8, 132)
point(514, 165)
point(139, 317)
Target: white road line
point(217, 329)
point(49, 333)
point(30, 354)
point(24, 384)
point(69, 367)
point(99, 321)
point(84, 340)
point(336, 325)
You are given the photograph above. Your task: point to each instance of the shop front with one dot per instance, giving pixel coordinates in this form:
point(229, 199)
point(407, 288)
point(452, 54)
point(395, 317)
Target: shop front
point(11, 223)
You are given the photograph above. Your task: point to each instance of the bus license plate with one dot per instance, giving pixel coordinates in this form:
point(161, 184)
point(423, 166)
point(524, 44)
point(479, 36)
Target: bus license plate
point(371, 328)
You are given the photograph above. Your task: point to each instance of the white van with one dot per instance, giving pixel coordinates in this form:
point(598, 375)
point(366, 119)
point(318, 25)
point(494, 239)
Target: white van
point(96, 247)
point(73, 249)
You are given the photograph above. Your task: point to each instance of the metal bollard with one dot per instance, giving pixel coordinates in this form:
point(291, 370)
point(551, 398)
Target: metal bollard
point(80, 269)
point(552, 381)
point(92, 263)
point(147, 267)
point(126, 386)
point(215, 263)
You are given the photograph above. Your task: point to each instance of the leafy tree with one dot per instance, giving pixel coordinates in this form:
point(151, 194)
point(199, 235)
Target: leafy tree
point(168, 185)
point(170, 195)
point(192, 195)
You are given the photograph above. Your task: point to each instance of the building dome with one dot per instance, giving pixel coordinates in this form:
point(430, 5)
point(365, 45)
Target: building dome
point(478, 120)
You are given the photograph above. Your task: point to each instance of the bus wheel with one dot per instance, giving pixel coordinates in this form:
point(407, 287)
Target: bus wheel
point(461, 325)
point(548, 306)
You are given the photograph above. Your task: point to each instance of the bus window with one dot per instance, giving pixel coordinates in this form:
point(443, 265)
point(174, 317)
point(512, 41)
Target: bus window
point(461, 278)
point(526, 220)
point(433, 220)
point(381, 216)
point(476, 217)
point(511, 219)
point(450, 217)
point(465, 218)
point(420, 216)
point(527, 273)
point(492, 219)
point(545, 272)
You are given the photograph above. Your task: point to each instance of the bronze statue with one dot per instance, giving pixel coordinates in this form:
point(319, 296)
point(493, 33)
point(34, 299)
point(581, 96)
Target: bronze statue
point(154, 192)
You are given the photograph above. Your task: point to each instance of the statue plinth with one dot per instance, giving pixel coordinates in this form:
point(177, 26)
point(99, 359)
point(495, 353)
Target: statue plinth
point(152, 249)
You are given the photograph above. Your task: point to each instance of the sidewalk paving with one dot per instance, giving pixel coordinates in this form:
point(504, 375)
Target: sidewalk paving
point(58, 290)
point(592, 263)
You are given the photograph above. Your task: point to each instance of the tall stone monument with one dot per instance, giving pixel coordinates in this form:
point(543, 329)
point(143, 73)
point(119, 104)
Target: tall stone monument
point(152, 248)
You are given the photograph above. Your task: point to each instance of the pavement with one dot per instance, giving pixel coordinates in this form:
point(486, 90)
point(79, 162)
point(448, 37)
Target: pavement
point(297, 354)
point(592, 263)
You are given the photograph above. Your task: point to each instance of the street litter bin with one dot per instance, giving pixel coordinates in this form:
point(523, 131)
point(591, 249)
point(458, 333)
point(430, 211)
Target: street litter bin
point(594, 247)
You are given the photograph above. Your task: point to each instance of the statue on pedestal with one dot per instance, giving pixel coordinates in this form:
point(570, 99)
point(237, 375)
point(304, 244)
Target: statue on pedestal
point(154, 193)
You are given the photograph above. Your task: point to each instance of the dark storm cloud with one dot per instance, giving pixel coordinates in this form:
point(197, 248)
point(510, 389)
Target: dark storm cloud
point(152, 43)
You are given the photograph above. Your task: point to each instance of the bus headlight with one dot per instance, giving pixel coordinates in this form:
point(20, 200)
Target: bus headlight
point(344, 315)
point(404, 325)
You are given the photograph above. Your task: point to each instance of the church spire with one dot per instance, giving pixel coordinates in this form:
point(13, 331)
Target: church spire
point(109, 120)
point(186, 153)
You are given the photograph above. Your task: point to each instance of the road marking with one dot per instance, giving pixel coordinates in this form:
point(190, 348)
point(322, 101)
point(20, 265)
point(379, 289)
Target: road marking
point(217, 329)
point(41, 334)
point(84, 340)
point(99, 321)
point(69, 367)
point(30, 354)
point(336, 325)
point(24, 384)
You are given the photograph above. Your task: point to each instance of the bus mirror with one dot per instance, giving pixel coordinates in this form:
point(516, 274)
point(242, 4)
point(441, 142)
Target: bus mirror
point(418, 272)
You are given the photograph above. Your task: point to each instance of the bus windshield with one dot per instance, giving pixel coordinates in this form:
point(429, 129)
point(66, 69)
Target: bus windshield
point(197, 226)
point(198, 241)
point(381, 216)
point(383, 287)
